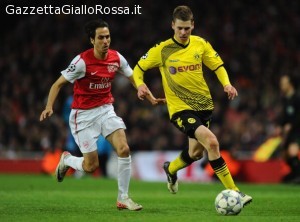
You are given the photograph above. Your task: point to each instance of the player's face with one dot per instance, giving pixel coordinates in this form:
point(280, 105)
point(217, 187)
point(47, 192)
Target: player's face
point(182, 30)
point(102, 40)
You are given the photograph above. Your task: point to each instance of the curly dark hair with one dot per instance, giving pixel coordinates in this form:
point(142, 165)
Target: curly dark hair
point(91, 26)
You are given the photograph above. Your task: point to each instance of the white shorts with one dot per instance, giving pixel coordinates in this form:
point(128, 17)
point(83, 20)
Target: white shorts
point(87, 125)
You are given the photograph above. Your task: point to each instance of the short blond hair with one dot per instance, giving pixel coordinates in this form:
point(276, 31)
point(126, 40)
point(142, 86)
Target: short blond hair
point(183, 13)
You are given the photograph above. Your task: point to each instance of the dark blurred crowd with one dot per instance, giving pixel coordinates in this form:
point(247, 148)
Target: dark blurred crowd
point(257, 40)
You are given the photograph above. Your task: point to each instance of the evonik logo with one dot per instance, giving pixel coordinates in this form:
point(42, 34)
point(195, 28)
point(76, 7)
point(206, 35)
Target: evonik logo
point(174, 70)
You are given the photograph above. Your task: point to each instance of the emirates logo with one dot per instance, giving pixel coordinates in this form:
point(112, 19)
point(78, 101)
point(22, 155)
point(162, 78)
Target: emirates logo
point(112, 67)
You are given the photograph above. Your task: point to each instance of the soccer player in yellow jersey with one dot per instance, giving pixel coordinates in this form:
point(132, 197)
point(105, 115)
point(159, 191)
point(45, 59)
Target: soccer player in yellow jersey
point(188, 98)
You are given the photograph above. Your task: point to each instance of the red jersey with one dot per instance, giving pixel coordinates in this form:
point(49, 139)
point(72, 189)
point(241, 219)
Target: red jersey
point(92, 77)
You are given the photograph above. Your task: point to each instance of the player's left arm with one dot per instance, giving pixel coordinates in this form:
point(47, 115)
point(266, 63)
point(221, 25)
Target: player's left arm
point(213, 61)
point(148, 61)
point(224, 80)
point(142, 89)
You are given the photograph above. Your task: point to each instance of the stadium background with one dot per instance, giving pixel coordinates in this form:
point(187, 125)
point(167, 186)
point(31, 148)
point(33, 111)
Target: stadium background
point(258, 41)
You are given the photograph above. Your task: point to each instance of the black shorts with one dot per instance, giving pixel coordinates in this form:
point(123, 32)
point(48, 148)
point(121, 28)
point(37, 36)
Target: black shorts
point(187, 121)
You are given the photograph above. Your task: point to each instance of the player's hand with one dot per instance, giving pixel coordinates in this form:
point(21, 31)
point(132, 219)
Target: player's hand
point(156, 101)
point(46, 113)
point(143, 91)
point(160, 101)
point(231, 91)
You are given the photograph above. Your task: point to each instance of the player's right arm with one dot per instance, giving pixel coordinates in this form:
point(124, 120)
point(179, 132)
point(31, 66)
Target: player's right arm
point(148, 61)
point(138, 78)
point(54, 90)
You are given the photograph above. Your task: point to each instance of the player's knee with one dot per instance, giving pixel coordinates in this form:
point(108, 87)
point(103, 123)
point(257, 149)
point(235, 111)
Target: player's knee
point(196, 154)
point(213, 144)
point(90, 167)
point(123, 151)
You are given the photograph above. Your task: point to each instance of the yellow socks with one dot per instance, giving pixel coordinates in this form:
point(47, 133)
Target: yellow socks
point(182, 161)
point(223, 173)
point(176, 165)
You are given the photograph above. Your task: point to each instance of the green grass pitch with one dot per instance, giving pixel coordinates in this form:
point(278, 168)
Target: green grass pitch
point(40, 198)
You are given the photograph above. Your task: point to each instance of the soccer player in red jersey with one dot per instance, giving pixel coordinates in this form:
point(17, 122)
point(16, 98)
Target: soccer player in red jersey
point(92, 73)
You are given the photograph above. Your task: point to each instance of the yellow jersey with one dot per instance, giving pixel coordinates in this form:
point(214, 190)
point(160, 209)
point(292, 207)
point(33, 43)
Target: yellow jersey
point(181, 70)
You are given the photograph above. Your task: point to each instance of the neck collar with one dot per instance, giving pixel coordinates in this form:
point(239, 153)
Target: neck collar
point(180, 44)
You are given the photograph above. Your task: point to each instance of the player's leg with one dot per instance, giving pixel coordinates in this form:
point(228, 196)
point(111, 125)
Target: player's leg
point(113, 129)
point(211, 144)
point(185, 158)
point(119, 142)
point(88, 163)
point(85, 130)
point(186, 121)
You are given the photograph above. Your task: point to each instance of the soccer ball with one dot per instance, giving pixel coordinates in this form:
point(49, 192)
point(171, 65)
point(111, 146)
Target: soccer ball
point(228, 202)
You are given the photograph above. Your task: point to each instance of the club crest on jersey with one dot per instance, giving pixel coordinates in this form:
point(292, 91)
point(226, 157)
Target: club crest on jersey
point(71, 68)
point(197, 57)
point(112, 67)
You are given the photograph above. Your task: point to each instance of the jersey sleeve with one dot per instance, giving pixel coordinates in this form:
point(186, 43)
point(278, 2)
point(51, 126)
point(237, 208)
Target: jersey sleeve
point(222, 76)
point(151, 59)
point(76, 70)
point(125, 68)
point(148, 61)
point(211, 58)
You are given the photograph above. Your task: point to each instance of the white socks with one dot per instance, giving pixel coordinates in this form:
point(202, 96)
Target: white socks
point(74, 162)
point(124, 174)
